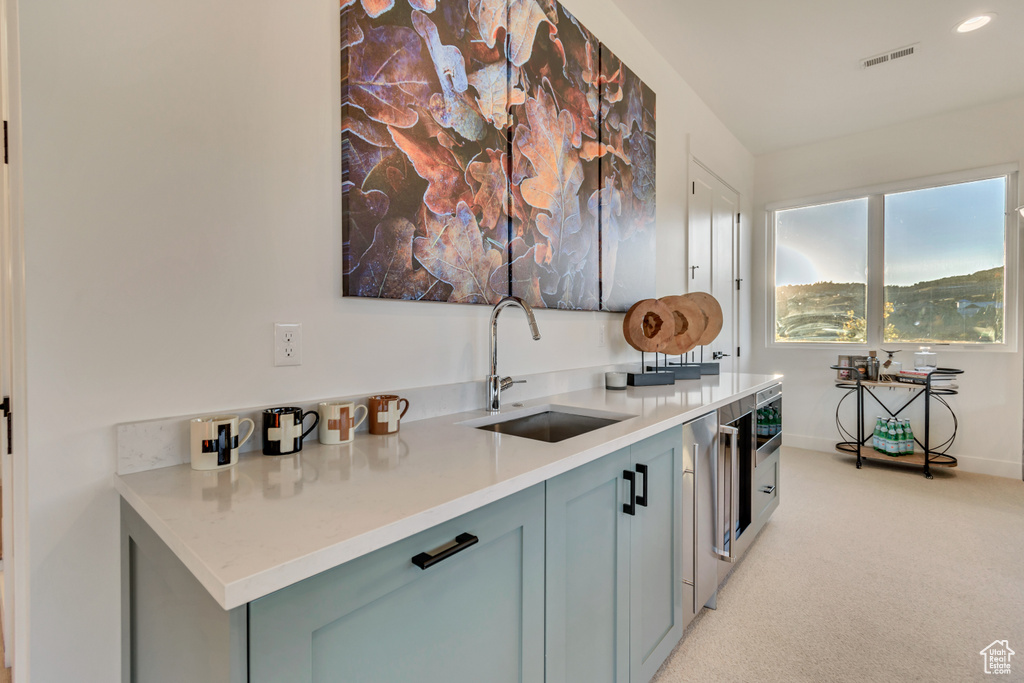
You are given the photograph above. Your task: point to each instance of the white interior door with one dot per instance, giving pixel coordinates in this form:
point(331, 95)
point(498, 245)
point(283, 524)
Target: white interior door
point(9, 294)
point(713, 255)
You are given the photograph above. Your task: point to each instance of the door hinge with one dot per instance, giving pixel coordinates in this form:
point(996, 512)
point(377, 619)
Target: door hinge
point(737, 219)
point(693, 189)
point(738, 281)
point(737, 352)
point(6, 407)
point(5, 142)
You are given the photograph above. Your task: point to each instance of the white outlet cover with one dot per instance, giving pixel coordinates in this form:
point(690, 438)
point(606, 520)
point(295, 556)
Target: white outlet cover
point(287, 344)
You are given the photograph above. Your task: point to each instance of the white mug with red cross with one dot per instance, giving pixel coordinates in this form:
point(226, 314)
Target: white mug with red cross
point(338, 421)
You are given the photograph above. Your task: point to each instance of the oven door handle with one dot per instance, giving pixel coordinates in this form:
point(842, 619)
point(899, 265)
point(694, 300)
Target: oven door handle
point(727, 499)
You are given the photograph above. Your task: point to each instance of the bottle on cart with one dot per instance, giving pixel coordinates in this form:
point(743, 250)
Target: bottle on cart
point(876, 441)
point(909, 443)
point(901, 438)
point(883, 438)
point(891, 442)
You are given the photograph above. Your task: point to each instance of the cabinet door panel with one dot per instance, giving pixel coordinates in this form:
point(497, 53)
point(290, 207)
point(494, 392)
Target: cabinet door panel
point(477, 615)
point(588, 574)
point(656, 620)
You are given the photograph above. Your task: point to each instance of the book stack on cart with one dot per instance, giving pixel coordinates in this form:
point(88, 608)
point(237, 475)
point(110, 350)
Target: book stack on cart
point(939, 381)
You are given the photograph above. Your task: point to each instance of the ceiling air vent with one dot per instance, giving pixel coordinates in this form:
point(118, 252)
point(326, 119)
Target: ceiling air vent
point(889, 56)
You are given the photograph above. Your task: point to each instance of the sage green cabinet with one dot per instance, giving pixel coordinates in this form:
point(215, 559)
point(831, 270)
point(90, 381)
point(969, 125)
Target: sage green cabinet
point(560, 585)
point(656, 605)
point(476, 616)
point(614, 601)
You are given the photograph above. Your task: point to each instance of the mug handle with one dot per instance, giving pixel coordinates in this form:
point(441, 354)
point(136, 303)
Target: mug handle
point(316, 421)
point(252, 428)
point(366, 411)
point(406, 407)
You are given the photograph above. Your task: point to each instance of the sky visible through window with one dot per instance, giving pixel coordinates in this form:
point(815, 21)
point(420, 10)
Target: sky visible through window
point(944, 231)
point(929, 234)
point(825, 243)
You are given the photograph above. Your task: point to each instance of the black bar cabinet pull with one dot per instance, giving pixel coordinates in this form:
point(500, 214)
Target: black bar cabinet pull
point(630, 507)
point(462, 541)
point(768, 489)
point(641, 500)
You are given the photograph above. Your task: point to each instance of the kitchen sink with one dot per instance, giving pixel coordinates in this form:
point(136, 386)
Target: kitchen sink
point(549, 423)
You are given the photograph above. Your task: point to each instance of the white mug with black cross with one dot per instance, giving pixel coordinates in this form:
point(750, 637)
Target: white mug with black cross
point(215, 441)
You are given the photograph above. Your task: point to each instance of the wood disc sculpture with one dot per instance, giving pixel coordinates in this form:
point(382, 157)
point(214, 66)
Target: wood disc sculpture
point(689, 324)
point(648, 325)
point(712, 311)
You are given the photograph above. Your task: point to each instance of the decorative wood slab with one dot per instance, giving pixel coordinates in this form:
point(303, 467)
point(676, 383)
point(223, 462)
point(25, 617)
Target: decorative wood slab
point(689, 324)
point(648, 325)
point(713, 316)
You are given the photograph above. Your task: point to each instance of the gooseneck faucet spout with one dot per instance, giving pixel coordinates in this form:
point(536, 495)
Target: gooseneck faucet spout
point(495, 383)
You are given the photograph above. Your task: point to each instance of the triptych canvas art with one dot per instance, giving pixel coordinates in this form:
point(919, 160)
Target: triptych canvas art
point(493, 147)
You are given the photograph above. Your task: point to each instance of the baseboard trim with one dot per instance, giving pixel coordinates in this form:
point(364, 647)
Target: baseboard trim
point(966, 463)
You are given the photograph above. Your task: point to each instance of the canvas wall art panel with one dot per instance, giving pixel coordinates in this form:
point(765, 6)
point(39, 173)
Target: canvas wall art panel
point(627, 169)
point(424, 151)
point(554, 77)
point(492, 147)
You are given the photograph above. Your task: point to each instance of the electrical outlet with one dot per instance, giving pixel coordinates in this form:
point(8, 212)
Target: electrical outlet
point(288, 344)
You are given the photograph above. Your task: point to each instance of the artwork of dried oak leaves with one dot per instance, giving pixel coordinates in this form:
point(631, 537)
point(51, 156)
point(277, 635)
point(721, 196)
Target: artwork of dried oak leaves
point(492, 147)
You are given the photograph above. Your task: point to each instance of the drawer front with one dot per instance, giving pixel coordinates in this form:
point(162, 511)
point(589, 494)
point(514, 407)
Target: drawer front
point(766, 486)
point(766, 395)
point(477, 615)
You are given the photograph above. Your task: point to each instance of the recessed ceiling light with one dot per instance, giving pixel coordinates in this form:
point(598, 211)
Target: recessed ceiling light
point(974, 23)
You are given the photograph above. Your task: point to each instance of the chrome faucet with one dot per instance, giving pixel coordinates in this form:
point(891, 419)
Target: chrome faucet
point(495, 383)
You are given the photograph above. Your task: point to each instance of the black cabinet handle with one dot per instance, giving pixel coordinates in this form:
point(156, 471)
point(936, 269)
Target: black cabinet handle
point(630, 507)
point(462, 541)
point(768, 489)
point(641, 500)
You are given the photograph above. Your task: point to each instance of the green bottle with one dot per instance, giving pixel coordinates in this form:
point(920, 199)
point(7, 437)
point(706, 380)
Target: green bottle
point(908, 432)
point(879, 439)
point(891, 447)
point(901, 439)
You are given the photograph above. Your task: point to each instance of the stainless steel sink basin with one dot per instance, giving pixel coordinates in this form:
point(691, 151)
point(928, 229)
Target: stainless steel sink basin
point(549, 423)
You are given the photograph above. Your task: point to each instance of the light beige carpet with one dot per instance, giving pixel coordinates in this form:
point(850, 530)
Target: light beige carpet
point(868, 575)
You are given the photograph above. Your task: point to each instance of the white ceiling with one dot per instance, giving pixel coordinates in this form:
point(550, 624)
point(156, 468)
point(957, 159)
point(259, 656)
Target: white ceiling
point(782, 73)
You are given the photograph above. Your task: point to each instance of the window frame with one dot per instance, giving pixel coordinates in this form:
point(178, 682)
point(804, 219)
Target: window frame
point(874, 304)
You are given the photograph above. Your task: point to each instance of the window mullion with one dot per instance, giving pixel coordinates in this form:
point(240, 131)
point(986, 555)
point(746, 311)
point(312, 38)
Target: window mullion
point(876, 270)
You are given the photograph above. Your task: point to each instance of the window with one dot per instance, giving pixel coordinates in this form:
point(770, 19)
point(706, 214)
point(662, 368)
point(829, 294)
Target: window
point(821, 266)
point(944, 263)
point(896, 265)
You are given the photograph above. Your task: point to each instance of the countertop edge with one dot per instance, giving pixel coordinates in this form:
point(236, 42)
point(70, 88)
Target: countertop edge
point(217, 589)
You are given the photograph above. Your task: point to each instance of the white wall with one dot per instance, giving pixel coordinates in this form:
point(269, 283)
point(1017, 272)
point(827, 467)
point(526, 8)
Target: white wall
point(989, 406)
point(181, 188)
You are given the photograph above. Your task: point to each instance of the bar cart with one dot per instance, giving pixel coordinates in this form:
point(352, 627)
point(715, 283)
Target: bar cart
point(926, 457)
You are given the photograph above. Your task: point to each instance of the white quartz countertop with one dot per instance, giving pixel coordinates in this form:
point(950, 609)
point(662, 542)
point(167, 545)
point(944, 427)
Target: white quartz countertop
point(269, 522)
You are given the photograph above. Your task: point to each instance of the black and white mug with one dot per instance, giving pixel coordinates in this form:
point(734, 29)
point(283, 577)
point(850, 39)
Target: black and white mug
point(282, 430)
point(215, 441)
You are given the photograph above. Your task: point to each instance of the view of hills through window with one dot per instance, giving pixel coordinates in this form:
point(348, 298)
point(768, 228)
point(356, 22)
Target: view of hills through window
point(821, 265)
point(944, 263)
point(943, 267)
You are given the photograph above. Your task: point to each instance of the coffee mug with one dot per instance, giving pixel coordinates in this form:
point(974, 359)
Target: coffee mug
point(338, 422)
point(384, 415)
point(282, 430)
point(214, 441)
